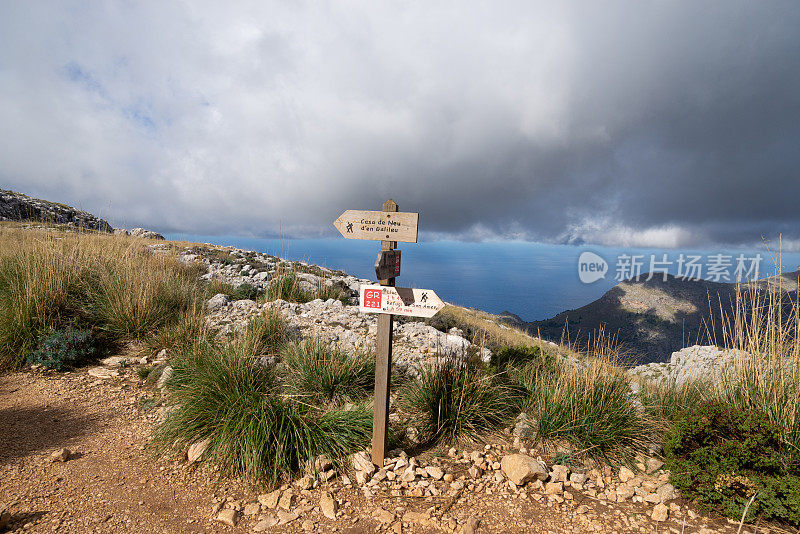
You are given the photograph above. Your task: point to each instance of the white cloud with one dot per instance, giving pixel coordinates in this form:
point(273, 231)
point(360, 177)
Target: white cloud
point(517, 122)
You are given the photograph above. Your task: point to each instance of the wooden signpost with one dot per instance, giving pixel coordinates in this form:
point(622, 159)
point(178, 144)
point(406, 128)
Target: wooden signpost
point(388, 226)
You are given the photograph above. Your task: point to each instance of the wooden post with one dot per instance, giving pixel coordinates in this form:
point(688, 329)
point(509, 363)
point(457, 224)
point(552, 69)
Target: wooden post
point(383, 366)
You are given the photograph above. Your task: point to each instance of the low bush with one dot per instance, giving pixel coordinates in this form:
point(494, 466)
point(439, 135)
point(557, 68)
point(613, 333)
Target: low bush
point(454, 400)
point(723, 457)
point(64, 348)
point(244, 291)
point(324, 373)
point(254, 430)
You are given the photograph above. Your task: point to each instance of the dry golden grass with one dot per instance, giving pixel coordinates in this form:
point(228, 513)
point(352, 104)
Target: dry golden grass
point(764, 331)
point(487, 331)
point(115, 285)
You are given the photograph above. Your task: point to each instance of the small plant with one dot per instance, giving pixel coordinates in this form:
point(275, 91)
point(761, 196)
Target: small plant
point(587, 404)
point(266, 334)
point(455, 400)
point(64, 348)
point(244, 291)
point(286, 286)
point(724, 457)
point(143, 372)
point(565, 458)
point(328, 373)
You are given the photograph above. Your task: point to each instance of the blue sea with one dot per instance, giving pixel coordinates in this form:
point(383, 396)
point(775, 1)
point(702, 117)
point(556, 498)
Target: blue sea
point(535, 281)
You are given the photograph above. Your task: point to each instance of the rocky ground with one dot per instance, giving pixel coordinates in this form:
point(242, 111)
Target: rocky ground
point(107, 481)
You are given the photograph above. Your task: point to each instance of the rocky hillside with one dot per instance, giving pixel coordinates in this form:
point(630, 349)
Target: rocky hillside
point(654, 318)
point(19, 207)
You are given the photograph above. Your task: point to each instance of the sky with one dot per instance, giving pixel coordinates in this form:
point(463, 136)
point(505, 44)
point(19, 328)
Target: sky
point(637, 123)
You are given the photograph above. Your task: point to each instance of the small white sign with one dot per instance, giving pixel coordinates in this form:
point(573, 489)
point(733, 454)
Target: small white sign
point(399, 301)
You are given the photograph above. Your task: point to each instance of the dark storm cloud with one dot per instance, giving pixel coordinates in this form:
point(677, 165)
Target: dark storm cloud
point(621, 123)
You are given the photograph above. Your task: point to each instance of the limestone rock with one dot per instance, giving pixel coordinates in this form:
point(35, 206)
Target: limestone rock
point(521, 469)
point(559, 473)
point(660, 513)
point(362, 462)
point(625, 474)
point(146, 234)
point(554, 488)
point(252, 508)
point(384, 516)
point(197, 449)
point(418, 518)
point(285, 516)
point(287, 500)
point(61, 455)
point(266, 523)
point(471, 526)
point(578, 478)
point(166, 374)
point(220, 300)
point(102, 372)
point(270, 500)
point(435, 472)
point(654, 464)
point(328, 505)
point(667, 492)
point(115, 361)
point(304, 483)
point(229, 516)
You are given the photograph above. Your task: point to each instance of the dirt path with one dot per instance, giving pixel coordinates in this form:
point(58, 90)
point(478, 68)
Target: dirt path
point(111, 484)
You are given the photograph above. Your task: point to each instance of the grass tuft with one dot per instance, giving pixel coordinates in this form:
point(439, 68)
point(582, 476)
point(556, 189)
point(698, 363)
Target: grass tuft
point(587, 404)
point(324, 373)
point(455, 400)
point(255, 431)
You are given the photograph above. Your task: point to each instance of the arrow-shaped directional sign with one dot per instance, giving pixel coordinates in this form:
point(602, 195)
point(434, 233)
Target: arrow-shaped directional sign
point(399, 301)
point(378, 225)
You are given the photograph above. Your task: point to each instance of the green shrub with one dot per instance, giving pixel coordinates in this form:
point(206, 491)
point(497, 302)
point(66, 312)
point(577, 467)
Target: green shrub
point(454, 399)
point(723, 456)
point(244, 291)
point(255, 430)
point(328, 374)
point(64, 348)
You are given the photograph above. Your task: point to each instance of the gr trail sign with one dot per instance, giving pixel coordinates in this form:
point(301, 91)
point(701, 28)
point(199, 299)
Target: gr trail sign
point(399, 301)
point(389, 226)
